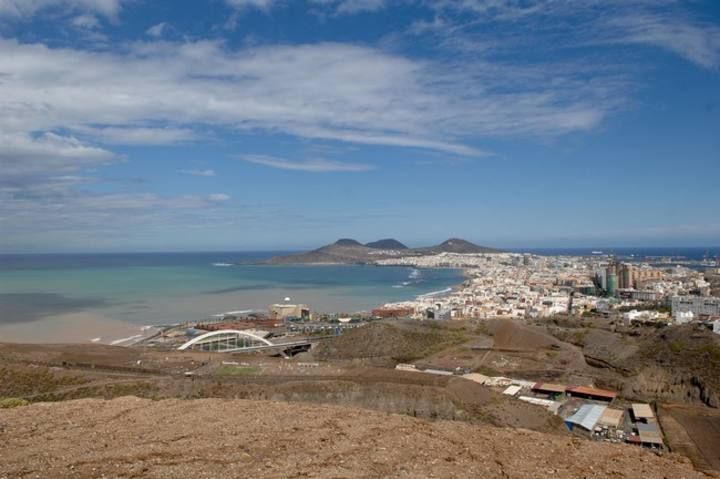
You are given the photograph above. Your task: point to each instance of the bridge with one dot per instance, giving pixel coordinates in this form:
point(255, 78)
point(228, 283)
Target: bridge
point(234, 340)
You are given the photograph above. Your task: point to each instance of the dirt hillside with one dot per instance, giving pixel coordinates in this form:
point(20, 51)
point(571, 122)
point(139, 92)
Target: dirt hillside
point(212, 438)
point(398, 341)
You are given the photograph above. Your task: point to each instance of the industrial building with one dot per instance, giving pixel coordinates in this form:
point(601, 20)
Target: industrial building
point(612, 281)
point(612, 418)
point(289, 311)
point(585, 418)
point(594, 394)
point(551, 390)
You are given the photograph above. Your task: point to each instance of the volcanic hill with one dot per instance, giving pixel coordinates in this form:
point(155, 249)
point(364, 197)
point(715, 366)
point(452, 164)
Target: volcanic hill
point(350, 251)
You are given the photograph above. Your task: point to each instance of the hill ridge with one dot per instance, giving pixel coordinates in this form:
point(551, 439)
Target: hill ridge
point(350, 251)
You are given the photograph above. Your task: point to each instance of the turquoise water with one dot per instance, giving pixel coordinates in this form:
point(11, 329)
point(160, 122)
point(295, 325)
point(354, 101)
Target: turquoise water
point(165, 288)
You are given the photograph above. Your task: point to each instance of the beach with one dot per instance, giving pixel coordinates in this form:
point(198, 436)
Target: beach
point(114, 298)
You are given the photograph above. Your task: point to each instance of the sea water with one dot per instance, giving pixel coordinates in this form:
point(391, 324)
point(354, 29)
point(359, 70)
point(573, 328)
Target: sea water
point(152, 289)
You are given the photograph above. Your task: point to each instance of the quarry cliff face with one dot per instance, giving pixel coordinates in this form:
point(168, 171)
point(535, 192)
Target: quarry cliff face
point(655, 383)
point(214, 438)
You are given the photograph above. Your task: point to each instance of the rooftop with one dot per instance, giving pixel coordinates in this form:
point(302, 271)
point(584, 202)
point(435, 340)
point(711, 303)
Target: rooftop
point(587, 416)
point(611, 417)
point(642, 411)
point(549, 387)
point(587, 391)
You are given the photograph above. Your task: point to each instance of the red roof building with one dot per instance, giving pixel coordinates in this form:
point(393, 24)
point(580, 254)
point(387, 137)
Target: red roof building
point(592, 393)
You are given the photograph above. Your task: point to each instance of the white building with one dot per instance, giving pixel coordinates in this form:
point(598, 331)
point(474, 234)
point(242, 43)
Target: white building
point(697, 305)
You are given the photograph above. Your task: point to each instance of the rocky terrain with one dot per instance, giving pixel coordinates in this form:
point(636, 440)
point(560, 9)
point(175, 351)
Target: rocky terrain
point(38, 373)
point(676, 364)
point(349, 251)
point(400, 341)
point(212, 438)
point(677, 367)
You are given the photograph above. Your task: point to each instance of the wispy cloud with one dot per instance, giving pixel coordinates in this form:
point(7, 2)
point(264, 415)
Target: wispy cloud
point(315, 166)
point(157, 30)
point(199, 172)
point(24, 156)
point(218, 197)
point(694, 41)
point(338, 92)
point(661, 23)
point(259, 4)
point(137, 135)
point(86, 21)
point(26, 8)
point(348, 7)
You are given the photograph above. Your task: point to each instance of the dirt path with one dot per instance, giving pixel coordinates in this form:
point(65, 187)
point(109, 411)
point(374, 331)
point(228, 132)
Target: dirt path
point(693, 431)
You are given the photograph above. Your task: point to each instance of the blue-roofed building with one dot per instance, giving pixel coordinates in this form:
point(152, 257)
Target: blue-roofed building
point(586, 417)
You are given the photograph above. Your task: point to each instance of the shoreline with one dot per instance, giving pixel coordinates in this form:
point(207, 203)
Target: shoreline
point(112, 325)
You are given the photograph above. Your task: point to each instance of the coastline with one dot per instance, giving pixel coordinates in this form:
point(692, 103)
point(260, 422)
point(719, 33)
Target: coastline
point(77, 328)
point(74, 318)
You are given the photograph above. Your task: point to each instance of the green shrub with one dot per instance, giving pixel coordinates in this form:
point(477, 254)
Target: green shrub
point(8, 403)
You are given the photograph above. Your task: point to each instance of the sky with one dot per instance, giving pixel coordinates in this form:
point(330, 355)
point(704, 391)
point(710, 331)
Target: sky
point(200, 125)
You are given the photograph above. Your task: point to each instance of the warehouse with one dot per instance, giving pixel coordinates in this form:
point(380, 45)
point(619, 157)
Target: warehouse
point(592, 393)
point(649, 435)
point(611, 418)
point(551, 390)
point(585, 419)
point(642, 412)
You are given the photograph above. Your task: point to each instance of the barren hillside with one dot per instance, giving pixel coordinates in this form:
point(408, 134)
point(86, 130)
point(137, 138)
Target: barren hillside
point(213, 438)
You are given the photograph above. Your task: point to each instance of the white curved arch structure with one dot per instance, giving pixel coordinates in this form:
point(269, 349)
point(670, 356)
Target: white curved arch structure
point(225, 340)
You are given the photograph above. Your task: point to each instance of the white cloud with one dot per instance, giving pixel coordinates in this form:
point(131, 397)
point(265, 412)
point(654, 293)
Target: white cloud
point(324, 91)
point(696, 42)
point(27, 8)
point(218, 197)
point(60, 206)
point(259, 4)
point(199, 172)
point(158, 30)
point(660, 23)
point(85, 21)
point(315, 166)
point(138, 135)
point(23, 156)
point(348, 7)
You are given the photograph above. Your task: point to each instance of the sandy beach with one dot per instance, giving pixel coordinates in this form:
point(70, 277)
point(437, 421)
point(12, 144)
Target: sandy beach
point(80, 327)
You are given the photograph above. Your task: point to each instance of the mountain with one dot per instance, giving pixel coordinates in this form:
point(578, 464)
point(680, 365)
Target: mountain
point(343, 251)
point(349, 251)
point(347, 242)
point(461, 246)
point(388, 243)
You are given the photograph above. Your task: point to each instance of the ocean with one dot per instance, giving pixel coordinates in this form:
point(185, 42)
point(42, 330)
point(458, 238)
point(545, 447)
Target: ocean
point(102, 296)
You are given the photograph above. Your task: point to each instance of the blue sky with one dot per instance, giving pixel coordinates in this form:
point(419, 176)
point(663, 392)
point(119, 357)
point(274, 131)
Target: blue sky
point(138, 125)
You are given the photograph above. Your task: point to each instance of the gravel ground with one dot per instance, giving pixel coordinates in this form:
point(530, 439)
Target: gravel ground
point(214, 438)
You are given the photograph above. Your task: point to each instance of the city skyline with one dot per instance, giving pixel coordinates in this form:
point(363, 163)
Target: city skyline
point(280, 125)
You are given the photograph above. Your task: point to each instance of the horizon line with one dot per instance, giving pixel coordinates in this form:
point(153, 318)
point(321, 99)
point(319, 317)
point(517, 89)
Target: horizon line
point(293, 250)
